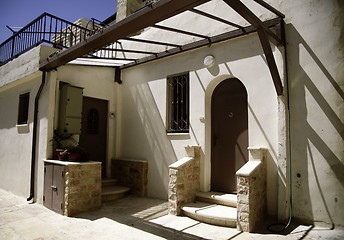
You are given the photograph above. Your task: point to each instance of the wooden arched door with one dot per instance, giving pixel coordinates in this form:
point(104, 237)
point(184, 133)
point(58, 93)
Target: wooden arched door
point(229, 134)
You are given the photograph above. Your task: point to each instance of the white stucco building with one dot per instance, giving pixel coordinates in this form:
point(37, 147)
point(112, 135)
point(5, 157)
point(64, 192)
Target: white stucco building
point(301, 127)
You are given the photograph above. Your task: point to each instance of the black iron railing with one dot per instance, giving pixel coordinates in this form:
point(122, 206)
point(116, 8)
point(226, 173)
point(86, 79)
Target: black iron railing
point(47, 29)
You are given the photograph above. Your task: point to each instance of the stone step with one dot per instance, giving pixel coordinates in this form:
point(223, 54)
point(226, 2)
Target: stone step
point(211, 213)
point(107, 182)
point(226, 199)
point(111, 193)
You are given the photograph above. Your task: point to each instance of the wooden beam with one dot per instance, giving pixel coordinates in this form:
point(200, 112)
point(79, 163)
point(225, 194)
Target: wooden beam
point(246, 13)
point(126, 50)
point(201, 43)
point(271, 61)
point(179, 31)
point(143, 18)
point(216, 18)
point(270, 8)
point(262, 30)
point(150, 42)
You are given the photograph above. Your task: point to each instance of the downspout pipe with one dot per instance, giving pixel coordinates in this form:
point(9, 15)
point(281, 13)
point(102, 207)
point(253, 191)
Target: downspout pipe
point(289, 151)
point(34, 140)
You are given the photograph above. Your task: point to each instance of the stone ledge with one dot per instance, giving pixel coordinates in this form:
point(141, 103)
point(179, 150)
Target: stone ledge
point(180, 163)
point(65, 163)
point(248, 168)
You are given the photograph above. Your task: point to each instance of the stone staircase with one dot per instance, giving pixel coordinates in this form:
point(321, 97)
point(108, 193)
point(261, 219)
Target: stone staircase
point(111, 191)
point(213, 208)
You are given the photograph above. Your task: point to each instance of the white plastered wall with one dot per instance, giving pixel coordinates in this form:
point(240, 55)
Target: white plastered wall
point(143, 107)
point(15, 147)
point(19, 76)
point(314, 31)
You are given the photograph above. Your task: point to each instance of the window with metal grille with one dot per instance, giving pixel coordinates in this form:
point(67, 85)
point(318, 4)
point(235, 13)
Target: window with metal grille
point(178, 103)
point(23, 109)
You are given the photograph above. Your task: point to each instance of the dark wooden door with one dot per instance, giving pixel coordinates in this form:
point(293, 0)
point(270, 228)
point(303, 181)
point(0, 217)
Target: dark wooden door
point(94, 130)
point(229, 141)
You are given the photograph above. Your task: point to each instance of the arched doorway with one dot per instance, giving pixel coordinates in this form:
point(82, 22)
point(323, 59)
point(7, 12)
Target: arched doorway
point(229, 134)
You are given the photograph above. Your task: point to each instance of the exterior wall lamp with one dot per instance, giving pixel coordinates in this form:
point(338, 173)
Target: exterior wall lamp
point(209, 61)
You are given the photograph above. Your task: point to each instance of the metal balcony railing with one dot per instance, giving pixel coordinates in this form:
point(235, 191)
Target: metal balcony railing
point(46, 29)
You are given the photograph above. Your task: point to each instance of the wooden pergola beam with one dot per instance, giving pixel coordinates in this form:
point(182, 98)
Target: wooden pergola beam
point(216, 18)
point(270, 61)
point(246, 13)
point(160, 11)
point(145, 17)
point(201, 43)
point(270, 8)
point(264, 33)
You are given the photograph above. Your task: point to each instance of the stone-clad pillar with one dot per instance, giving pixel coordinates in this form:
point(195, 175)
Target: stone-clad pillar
point(251, 186)
point(184, 180)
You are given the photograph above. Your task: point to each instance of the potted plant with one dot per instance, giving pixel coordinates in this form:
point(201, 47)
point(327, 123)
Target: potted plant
point(57, 142)
point(76, 154)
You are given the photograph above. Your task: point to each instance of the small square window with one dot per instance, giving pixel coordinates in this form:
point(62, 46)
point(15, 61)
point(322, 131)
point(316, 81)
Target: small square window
point(23, 110)
point(178, 104)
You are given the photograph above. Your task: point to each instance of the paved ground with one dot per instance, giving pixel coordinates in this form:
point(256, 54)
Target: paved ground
point(128, 218)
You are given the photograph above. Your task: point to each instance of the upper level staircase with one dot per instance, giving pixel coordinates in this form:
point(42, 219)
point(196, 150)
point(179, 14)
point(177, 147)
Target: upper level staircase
point(213, 208)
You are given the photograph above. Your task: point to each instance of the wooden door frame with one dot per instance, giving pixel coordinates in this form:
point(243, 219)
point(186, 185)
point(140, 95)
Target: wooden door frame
point(205, 168)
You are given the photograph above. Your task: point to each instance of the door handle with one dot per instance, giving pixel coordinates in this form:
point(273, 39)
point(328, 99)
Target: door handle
point(54, 188)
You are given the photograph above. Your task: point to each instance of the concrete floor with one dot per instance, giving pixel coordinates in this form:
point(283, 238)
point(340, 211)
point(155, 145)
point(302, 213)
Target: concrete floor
point(127, 218)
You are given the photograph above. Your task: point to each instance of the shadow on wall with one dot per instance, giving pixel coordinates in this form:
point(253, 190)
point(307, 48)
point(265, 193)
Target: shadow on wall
point(273, 171)
point(157, 147)
point(311, 113)
point(159, 151)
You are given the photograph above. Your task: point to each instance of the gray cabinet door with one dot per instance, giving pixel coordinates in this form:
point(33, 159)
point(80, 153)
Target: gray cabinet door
point(54, 187)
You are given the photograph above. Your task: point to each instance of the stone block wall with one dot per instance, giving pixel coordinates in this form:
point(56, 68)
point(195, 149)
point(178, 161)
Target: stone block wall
point(251, 186)
point(184, 180)
point(82, 187)
point(131, 173)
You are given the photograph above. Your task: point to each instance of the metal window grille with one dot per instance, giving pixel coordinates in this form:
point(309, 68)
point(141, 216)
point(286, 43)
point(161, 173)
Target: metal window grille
point(178, 104)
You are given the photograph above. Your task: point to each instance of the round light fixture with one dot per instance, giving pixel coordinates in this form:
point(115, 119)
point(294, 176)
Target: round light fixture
point(209, 61)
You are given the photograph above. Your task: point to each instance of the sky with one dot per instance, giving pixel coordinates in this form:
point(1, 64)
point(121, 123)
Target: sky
point(18, 13)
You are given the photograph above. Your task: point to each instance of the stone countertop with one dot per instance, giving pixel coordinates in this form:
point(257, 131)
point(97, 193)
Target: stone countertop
point(65, 163)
